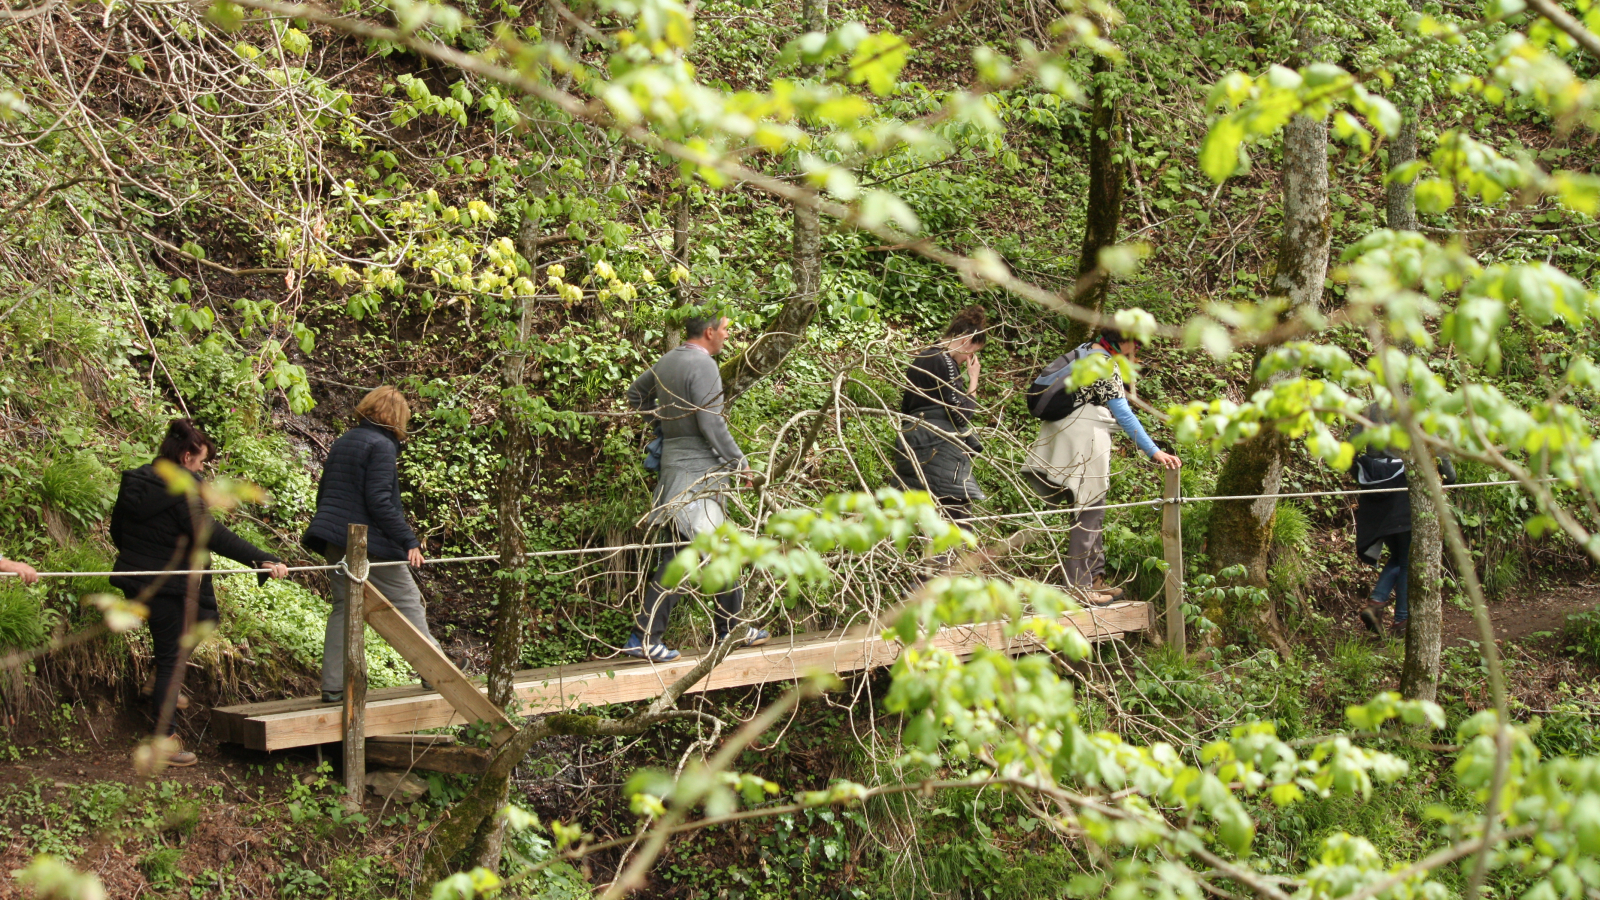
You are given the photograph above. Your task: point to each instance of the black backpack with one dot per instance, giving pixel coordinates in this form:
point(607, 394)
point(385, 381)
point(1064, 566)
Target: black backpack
point(1048, 397)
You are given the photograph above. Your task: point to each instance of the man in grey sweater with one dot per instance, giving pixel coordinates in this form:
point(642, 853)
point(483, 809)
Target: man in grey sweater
point(683, 392)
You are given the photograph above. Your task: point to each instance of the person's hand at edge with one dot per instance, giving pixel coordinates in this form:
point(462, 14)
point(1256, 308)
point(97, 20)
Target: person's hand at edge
point(973, 368)
point(29, 574)
point(1166, 460)
point(414, 557)
point(277, 570)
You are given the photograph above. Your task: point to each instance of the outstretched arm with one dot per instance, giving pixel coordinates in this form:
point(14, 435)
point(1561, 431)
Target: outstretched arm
point(1130, 425)
point(29, 576)
point(224, 542)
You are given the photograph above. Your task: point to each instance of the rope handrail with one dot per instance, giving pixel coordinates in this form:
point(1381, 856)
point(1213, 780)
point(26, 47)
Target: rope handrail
point(619, 548)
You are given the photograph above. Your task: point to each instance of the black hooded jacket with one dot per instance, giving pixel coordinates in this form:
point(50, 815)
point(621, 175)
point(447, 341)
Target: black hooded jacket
point(361, 485)
point(153, 529)
point(1380, 515)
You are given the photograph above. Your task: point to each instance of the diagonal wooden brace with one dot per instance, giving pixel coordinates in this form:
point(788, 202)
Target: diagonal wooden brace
point(431, 663)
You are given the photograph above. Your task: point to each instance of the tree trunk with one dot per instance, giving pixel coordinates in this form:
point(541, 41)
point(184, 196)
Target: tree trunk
point(786, 330)
point(681, 220)
point(1240, 531)
point(1103, 214)
point(1400, 195)
point(511, 597)
point(1307, 225)
point(1419, 677)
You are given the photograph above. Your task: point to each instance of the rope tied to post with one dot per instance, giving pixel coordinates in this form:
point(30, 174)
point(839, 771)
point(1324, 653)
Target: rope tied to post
point(354, 578)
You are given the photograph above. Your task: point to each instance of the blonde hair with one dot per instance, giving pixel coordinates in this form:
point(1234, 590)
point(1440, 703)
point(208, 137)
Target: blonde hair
point(387, 407)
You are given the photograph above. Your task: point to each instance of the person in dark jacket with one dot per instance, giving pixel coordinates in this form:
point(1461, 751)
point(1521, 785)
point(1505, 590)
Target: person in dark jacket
point(936, 445)
point(361, 486)
point(1384, 521)
point(157, 530)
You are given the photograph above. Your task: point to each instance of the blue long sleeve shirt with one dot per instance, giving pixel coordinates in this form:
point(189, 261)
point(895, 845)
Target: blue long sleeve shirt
point(1129, 423)
point(1121, 411)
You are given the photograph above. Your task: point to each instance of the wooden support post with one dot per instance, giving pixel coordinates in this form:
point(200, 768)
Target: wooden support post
point(431, 663)
point(355, 667)
point(1172, 547)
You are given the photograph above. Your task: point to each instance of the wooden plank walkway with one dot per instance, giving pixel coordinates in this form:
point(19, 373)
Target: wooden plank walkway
point(281, 724)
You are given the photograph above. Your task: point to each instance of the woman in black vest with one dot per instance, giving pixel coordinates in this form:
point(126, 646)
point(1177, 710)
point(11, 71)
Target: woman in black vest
point(156, 530)
point(936, 445)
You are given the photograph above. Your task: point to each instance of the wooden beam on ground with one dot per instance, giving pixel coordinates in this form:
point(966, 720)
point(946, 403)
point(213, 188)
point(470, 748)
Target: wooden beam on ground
point(430, 752)
point(296, 723)
point(434, 667)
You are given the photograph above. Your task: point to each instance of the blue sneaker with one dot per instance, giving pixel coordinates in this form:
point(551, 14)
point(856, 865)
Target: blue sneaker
point(753, 637)
point(655, 652)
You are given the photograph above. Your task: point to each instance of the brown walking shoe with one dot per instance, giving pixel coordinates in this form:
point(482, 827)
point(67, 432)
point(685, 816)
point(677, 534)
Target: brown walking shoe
point(1372, 617)
point(1092, 598)
point(177, 757)
point(1110, 590)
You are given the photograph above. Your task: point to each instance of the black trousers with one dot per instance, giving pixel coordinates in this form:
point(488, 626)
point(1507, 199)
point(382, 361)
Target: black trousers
point(659, 602)
point(166, 633)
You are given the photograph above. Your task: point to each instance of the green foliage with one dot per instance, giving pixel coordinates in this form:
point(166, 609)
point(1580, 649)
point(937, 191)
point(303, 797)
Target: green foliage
point(283, 625)
point(50, 877)
point(77, 487)
point(161, 867)
point(1581, 631)
point(395, 255)
point(1290, 526)
point(24, 621)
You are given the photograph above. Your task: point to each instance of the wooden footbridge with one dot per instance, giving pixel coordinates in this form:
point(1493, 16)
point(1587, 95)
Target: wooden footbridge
point(281, 724)
point(455, 699)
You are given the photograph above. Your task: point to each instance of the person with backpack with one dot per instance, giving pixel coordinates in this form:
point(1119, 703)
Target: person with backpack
point(936, 444)
point(1069, 464)
point(156, 530)
point(1383, 520)
point(696, 457)
point(361, 485)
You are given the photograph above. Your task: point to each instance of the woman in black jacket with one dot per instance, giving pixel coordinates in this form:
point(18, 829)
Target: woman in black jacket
point(155, 529)
point(361, 485)
point(935, 448)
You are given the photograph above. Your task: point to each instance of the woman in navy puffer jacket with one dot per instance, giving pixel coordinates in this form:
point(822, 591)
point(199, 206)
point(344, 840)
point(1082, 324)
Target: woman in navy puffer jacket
point(361, 486)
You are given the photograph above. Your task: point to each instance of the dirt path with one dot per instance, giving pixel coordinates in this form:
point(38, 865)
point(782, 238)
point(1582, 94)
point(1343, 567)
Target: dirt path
point(1521, 614)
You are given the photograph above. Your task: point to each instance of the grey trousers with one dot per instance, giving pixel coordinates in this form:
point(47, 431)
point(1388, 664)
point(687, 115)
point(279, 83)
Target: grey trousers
point(1086, 547)
point(1086, 541)
point(394, 582)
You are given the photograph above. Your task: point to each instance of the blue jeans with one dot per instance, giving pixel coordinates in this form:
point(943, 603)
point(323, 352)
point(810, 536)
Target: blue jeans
point(1393, 577)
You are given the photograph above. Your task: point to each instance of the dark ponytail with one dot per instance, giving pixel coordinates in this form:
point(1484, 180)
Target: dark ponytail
point(184, 437)
point(971, 322)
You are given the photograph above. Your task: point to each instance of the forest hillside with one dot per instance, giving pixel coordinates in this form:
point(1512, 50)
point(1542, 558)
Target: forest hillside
point(1307, 238)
